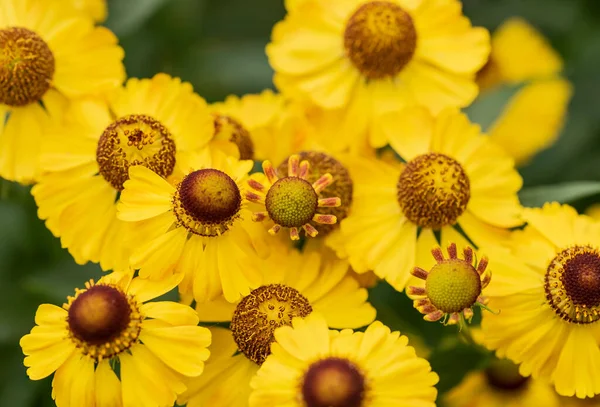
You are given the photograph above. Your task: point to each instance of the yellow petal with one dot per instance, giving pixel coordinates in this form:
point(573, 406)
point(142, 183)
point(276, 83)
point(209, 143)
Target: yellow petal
point(159, 257)
point(108, 387)
point(170, 312)
point(409, 131)
point(145, 195)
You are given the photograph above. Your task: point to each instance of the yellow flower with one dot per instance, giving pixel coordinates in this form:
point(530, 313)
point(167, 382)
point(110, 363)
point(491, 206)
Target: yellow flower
point(453, 176)
point(314, 281)
point(312, 365)
point(96, 9)
point(49, 53)
point(110, 324)
point(535, 115)
point(547, 290)
point(501, 385)
point(370, 57)
point(158, 123)
point(200, 227)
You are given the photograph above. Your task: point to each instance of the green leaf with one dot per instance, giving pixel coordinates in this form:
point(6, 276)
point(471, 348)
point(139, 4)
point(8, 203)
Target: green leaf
point(127, 16)
point(563, 193)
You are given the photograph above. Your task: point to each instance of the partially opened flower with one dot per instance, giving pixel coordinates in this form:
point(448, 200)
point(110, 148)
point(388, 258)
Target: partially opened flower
point(313, 366)
point(452, 287)
point(292, 201)
point(111, 325)
point(49, 54)
point(369, 57)
point(547, 288)
point(295, 285)
point(158, 123)
point(453, 176)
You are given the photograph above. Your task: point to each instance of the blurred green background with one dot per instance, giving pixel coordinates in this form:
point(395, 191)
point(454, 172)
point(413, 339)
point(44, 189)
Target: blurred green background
point(218, 46)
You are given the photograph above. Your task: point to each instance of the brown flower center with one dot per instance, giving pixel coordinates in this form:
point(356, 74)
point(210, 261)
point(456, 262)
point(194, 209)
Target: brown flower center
point(229, 129)
point(333, 382)
point(380, 39)
point(342, 186)
point(134, 140)
point(260, 312)
point(26, 66)
point(433, 190)
point(291, 202)
point(207, 202)
point(572, 284)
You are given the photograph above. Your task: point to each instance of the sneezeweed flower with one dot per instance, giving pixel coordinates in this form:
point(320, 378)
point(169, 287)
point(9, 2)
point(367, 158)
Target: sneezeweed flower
point(453, 176)
point(292, 201)
point(355, 55)
point(110, 324)
point(199, 227)
point(501, 385)
point(312, 281)
point(158, 123)
point(311, 365)
point(452, 287)
point(47, 58)
point(535, 115)
point(547, 287)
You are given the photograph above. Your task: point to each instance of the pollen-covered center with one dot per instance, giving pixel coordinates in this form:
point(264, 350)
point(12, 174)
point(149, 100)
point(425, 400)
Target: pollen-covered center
point(291, 202)
point(333, 382)
point(262, 311)
point(572, 284)
point(134, 140)
point(207, 202)
point(502, 374)
point(103, 321)
point(229, 129)
point(380, 39)
point(433, 190)
point(453, 285)
point(341, 187)
point(26, 66)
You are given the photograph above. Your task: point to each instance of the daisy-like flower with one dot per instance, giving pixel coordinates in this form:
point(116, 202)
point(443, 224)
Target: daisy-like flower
point(314, 281)
point(158, 123)
point(311, 365)
point(501, 385)
point(49, 53)
point(535, 115)
point(110, 324)
point(452, 287)
point(547, 287)
point(453, 176)
point(292, 202)
point(369, 57)
point(199, 228)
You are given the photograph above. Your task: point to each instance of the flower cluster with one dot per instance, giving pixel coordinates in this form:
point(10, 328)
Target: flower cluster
point(368, 164)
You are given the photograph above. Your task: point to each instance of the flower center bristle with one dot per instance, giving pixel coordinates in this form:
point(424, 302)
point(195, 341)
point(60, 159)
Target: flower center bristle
point(207, 202)
point(103, 321)
point(380, 39)
point(502, 374)
point(134, 140)
point(228, 128)
point(260, 312)
point(333, 382)
point(291, 202)
point(453, 285)
point(572, 284)
point(26, 66)
point(433, 190)
point(342, 186)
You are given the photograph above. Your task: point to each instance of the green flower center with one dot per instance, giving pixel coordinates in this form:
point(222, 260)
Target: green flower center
point(453, 285)
point(291, 202)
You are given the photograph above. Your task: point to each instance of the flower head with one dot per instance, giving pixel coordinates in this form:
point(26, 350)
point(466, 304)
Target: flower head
point(110, 324)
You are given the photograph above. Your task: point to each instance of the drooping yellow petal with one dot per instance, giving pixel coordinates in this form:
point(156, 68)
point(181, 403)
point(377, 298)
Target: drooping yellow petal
point(108, 386)
point(145, 195)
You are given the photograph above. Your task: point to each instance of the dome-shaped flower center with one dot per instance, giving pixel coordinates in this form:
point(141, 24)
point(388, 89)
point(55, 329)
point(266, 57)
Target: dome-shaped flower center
point(433, 190)
point(380, 39)
point(103, 321)
point(333, 382)
point(503, 375)
point(342, 186)
point(453, 285)
point(207, 202)
point(291, 202)
point(572, 284)
point(26, 66)
point(134, 140)
point(229, 129)
point(260, 312)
